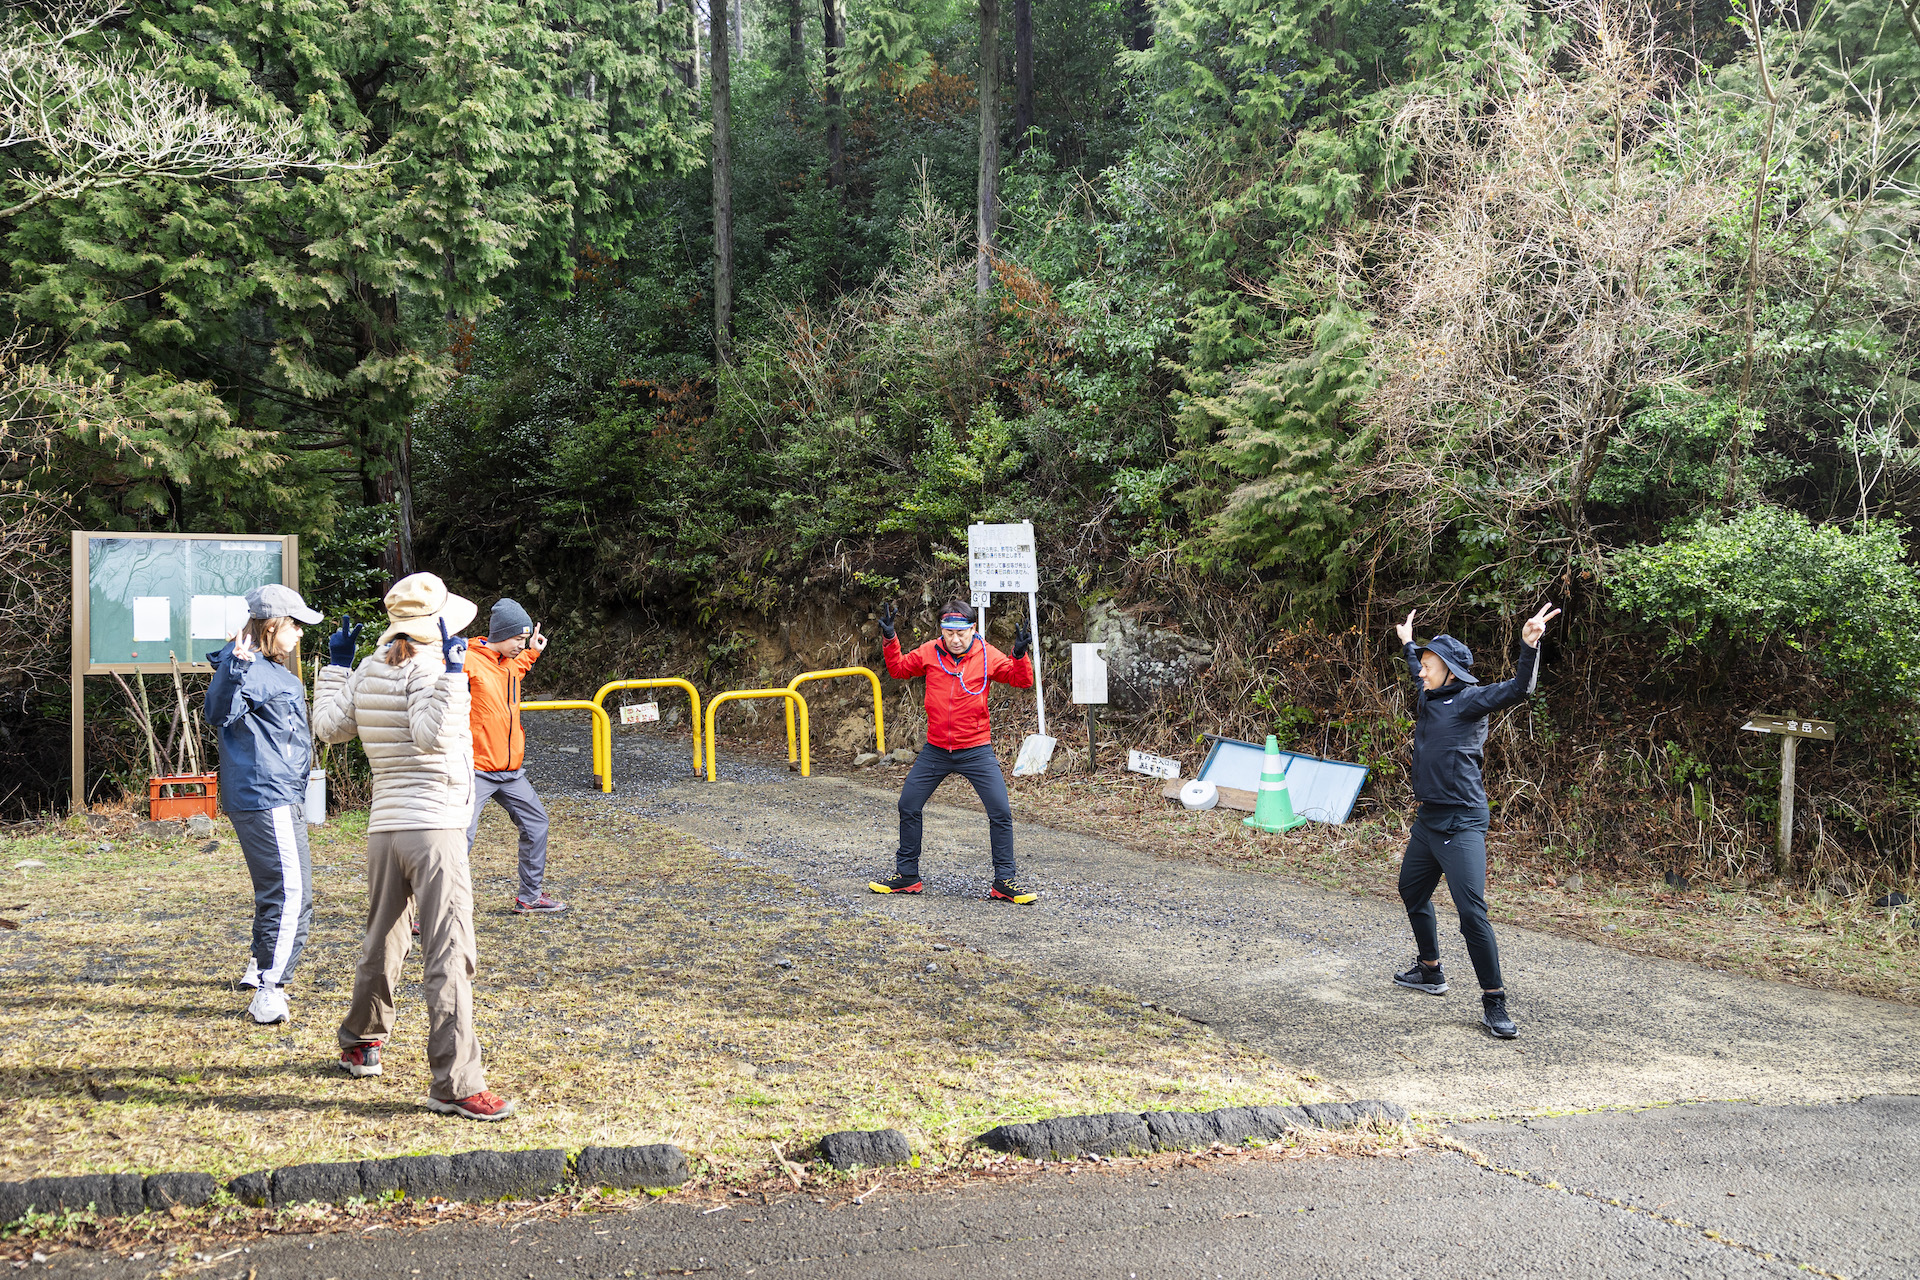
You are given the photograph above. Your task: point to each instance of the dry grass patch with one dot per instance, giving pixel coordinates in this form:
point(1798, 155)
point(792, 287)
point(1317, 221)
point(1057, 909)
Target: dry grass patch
point(1772, 930)
point(656, 1010)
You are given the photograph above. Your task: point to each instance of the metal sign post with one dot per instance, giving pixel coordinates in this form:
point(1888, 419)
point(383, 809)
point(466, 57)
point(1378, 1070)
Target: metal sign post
point(1089, 688)
point(1791, 729)
point(1004, 557)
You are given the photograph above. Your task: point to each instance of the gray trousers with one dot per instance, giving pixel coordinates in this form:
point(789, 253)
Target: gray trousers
point(517, 796)
point(274, 843)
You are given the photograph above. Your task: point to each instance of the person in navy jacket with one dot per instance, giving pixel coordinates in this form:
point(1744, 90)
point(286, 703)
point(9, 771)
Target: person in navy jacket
point(257, 705)
point(958, 668)
point(1449, 833)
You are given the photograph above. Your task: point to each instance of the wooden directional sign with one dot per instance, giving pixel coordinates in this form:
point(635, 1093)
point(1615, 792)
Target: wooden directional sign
point(1792, 726)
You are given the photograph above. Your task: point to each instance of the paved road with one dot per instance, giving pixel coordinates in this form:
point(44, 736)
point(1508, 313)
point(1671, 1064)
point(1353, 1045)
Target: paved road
point(1830, 1187)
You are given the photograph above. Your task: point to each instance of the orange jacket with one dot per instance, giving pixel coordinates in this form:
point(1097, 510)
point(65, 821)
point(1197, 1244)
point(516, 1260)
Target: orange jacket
point(957, 687)
point(499, 743)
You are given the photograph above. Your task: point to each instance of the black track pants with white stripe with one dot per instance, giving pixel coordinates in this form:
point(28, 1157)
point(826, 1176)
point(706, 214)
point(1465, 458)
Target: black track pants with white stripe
point(274, 842)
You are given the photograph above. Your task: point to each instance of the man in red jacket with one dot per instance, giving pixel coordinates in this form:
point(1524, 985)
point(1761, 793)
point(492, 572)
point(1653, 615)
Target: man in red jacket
point(958, 667)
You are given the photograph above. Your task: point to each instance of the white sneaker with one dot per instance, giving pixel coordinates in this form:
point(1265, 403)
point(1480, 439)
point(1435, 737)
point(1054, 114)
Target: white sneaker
point(251, 978)
point(269, 1006)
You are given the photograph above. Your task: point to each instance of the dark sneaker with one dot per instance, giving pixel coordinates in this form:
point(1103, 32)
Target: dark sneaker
point(542, 905)
point(899, 884)
point(1420, 978)
point(481, 1106)
point(1011, 891)
point(414, 928)
point(361, 1060)
point(1493, 1012)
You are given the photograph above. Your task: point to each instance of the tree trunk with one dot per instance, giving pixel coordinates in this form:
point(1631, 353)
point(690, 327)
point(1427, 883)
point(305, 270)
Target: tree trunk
point(740, 29)
point(1022, 73)
point(796, 49)
point(1139, 25)
point(693, 24)
point(833, 40)
point(722, 188)
point(989, 210)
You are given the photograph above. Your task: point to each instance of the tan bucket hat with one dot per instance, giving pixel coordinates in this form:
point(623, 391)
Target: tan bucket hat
point(419, 603)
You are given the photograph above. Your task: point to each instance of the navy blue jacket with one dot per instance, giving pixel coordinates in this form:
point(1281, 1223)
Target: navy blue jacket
point(260, 712)
point(1450, 730)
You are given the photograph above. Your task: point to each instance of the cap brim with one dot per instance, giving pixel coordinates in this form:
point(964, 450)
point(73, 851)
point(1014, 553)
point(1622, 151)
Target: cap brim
point(1464, 677)
point(308, 616)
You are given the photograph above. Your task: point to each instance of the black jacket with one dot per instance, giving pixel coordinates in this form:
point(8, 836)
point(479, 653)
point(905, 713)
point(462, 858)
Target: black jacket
point(1450, 730)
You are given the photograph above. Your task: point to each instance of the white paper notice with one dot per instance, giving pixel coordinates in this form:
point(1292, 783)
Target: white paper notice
point(218, 617)
point(1153, 766)
point(152, 619)
point(640, 713)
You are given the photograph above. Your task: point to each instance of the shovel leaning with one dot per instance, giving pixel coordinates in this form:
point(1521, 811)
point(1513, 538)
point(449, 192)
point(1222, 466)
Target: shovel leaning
point(1037, 751)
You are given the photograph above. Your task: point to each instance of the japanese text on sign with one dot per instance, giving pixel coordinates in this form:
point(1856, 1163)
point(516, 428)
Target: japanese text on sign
point(1153, 766)
point(640, 713)
point(1792, 726)
point(1001, 557)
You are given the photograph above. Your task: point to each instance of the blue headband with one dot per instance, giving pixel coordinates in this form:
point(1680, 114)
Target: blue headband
point(955, 622)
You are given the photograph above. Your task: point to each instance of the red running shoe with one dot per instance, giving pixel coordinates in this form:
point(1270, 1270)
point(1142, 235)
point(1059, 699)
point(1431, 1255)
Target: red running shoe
point(899, 884)
point(542, 905)
point(361, 1060)
point(484, 1105)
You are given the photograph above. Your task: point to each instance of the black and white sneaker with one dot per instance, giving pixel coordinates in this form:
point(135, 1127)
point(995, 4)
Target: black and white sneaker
point(1493, 1012)
point(1420, 978)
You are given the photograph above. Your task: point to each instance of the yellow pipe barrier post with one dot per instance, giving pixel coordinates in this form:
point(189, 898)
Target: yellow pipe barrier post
point(741, 695)
point(604, 751)
point(879, 715)
point(600, 727)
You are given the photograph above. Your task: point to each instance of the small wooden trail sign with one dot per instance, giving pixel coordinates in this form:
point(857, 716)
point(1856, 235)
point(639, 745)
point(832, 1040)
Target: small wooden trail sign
point(1791, 729)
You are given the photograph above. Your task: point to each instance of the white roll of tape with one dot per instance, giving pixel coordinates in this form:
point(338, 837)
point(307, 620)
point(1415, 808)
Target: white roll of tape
point(1199, 795)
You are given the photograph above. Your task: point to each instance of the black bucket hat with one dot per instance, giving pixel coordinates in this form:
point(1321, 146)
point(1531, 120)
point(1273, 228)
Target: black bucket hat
point(1457, 656)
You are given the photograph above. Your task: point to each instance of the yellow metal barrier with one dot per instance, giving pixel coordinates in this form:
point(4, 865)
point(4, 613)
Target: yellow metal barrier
point(604, 750)
point(879, 715)
point(741, 695)
point(600, 728)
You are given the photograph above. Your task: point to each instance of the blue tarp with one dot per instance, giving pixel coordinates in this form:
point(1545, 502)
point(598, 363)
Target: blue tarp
point(1323, 790)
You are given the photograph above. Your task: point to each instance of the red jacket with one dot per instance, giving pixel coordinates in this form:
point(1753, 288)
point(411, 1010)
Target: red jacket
point(499, 743)
point(957, 687)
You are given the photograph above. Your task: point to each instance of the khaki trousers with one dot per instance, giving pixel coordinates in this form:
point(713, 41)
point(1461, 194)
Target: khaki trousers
point(431, 868)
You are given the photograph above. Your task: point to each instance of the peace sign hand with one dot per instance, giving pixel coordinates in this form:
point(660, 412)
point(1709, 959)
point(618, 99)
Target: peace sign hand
point(1536, 626)
point(243, 650)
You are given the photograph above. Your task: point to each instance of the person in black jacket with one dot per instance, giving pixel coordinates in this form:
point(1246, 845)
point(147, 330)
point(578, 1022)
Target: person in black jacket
point(1449, 835)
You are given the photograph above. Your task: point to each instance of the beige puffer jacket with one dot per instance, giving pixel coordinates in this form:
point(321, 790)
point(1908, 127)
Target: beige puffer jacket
point(413, 721)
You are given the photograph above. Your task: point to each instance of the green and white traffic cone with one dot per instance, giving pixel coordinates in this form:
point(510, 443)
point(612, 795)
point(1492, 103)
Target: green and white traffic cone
point(1273, 811)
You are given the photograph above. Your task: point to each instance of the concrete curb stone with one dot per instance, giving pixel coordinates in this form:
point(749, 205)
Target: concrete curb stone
point(625, 1168)
point(188, 1190)
point(1065, 1137)
point(869, 1148)
point(299, 1183)
point(418, 1176)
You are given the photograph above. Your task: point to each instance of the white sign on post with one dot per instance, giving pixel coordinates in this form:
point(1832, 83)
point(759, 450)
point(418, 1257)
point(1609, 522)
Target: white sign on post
point(1001, 557)
point(1089, 675)
point(640, 713)
point(1153, 766)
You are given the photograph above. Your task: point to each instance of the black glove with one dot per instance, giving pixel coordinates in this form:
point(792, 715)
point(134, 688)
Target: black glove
point(452, 648)
point(344, 643)
point(887, 616)
point(1022, 641)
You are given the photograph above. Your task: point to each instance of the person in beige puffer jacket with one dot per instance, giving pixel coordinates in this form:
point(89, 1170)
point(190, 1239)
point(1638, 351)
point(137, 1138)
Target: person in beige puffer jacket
point(408, 704)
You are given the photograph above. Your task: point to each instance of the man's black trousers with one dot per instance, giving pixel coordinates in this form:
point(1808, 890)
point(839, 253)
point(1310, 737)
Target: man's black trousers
point(1451, 840)
point(977, 765)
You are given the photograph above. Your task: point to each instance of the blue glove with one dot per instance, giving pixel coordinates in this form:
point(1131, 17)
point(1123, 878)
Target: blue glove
point(1022, 641)
point(344, 643)
point(886, 619)
point(452, 648)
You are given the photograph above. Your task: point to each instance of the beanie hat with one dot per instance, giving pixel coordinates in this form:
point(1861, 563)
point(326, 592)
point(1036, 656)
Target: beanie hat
point(507, 621)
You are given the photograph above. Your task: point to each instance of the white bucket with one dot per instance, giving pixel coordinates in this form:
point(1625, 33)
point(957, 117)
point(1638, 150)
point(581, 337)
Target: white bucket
point(316, 797)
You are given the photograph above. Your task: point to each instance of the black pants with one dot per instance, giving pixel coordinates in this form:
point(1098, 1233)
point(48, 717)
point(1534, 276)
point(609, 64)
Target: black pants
point(977, 765)
point(1451, 840)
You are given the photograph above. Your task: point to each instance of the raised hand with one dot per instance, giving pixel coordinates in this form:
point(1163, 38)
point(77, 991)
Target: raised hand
point(536, 641)
point(344, 643)
point(1536, 626)
point(1022, 641)
point(887, 615)
point(1405, 629)
point(243, 650)
point(453, 649)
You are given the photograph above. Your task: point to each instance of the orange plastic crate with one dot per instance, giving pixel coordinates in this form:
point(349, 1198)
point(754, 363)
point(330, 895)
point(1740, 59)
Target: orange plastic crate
point(192, 793)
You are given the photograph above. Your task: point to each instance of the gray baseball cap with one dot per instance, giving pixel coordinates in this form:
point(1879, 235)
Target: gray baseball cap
point(276, 601)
